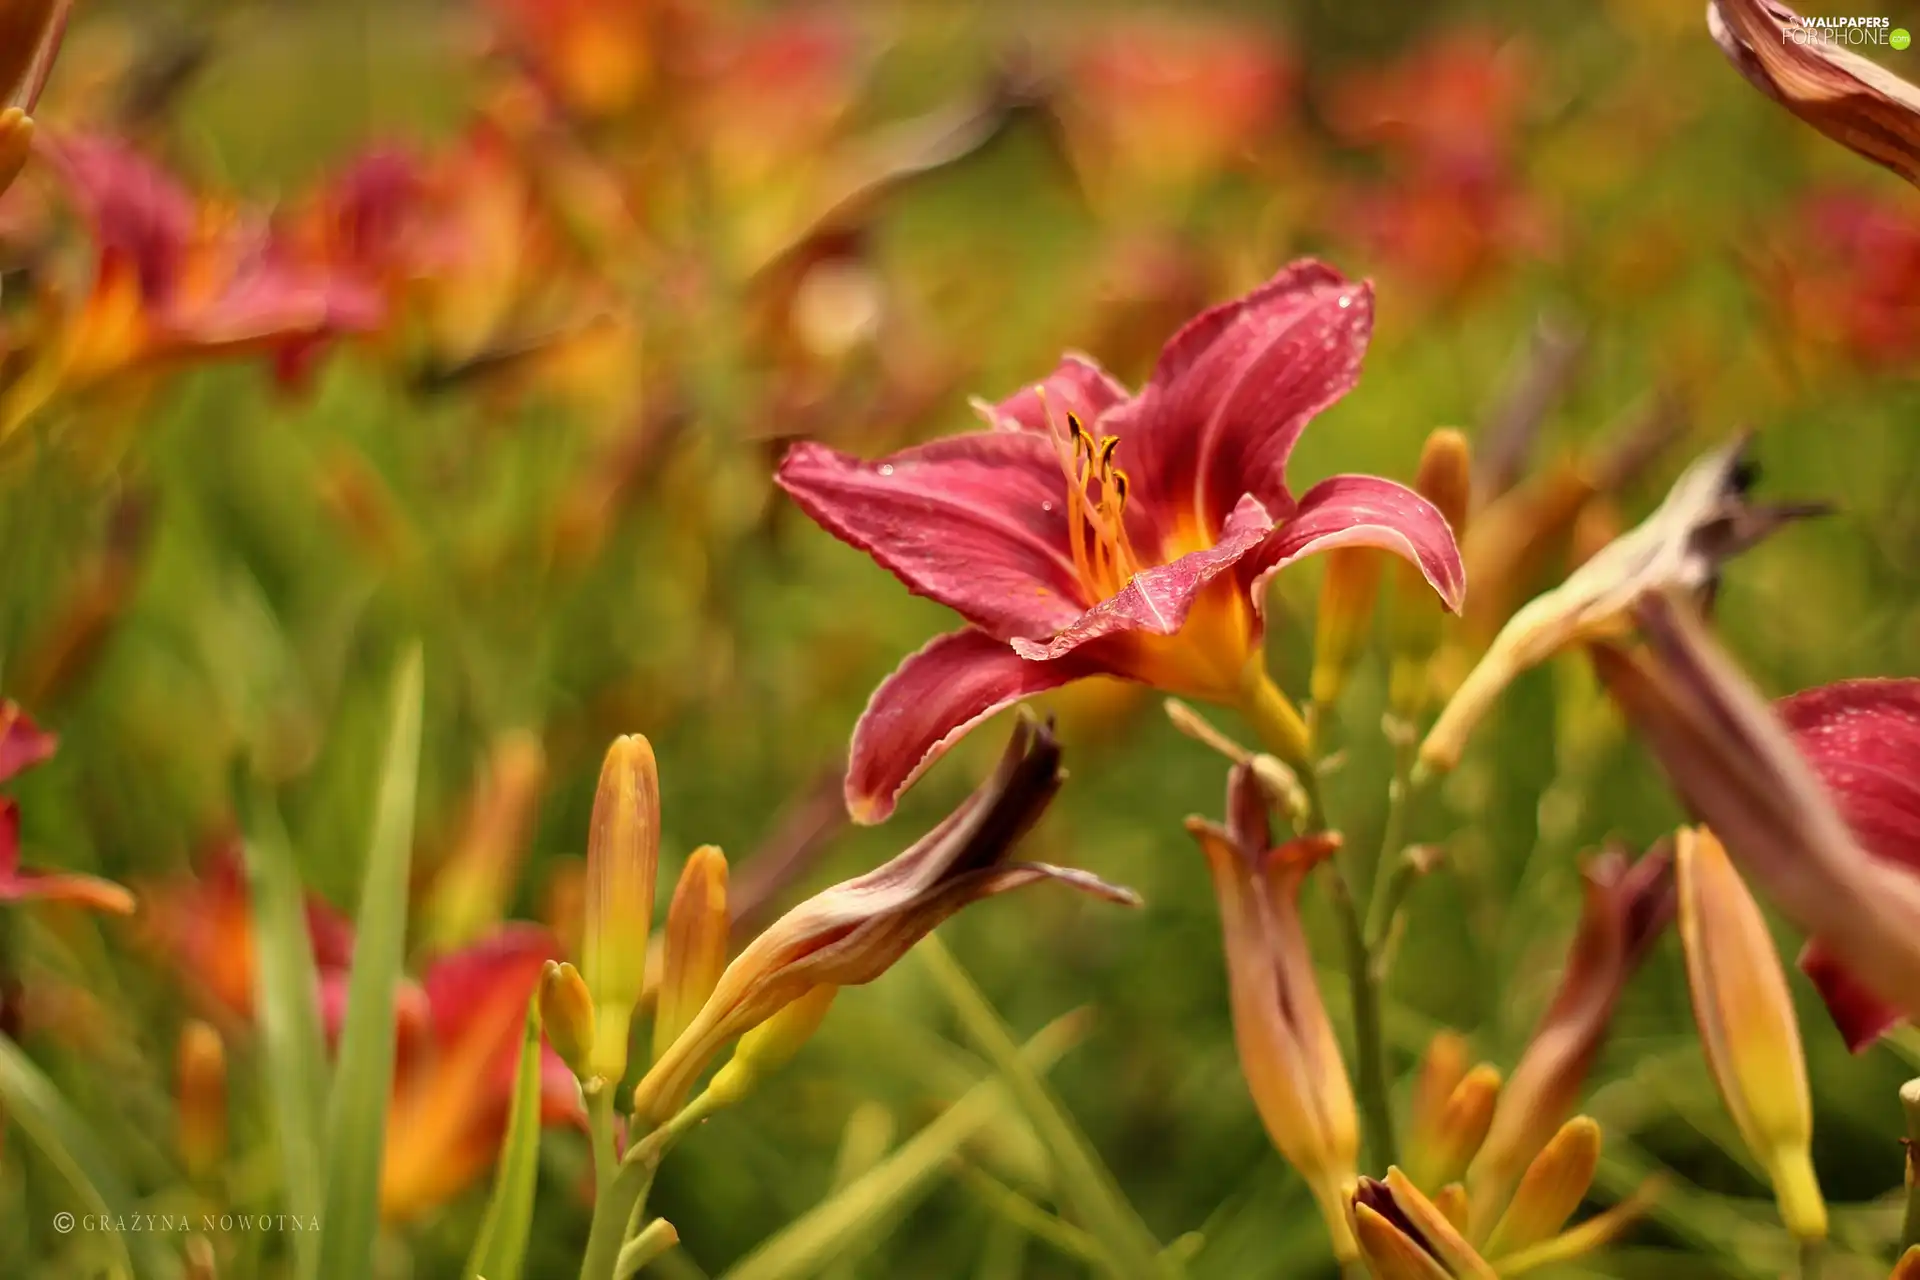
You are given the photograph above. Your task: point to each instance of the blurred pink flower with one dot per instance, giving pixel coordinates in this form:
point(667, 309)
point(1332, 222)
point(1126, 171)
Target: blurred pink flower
point(1845, 273)
point(1447, 117)
point(1157, 99)
point(1862, 738)
point(22, 746)
point(1097, 532)
point(179, 278)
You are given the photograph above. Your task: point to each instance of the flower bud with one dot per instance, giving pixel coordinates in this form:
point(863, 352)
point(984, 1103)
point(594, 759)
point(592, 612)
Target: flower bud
point(566, 1011)
point(200, 1084)
point(1550, 1190)
point(1439, 1153)
point(623, 855)
point(1908, 1268)
point(1747, 1026)
point(1445, 480)
point(696, 945)
point(1402, 1234)
point(1347, 596)
point(1442, 1067)
point(771, 1045)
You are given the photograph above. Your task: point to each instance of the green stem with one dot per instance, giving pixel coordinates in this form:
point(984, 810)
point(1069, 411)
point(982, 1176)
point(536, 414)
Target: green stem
point(1812, 1253)
point(599, 1095)
point(618, 1211)
point(1284, 733)
point(644, 1248)
point(1910, 1101)
point(1391, 876)
point(611, 1212)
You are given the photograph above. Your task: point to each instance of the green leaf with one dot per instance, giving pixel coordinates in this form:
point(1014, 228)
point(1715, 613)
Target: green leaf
point(1089, 1188)
point(32, 1102)
point(363, 1078)
point(293, 1057)
point(500, 1250)
point(894, 1184)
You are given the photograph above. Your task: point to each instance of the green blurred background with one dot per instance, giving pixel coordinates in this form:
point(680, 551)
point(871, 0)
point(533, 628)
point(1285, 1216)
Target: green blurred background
point(1617, 181)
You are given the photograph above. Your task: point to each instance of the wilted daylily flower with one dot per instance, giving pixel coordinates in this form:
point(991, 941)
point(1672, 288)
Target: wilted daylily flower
point(1734, 762)
point(1288, 1051)
point(1747, 1026)
point(1850, 99)
point(1093, 532)
point(855, 931)
point(22, 746)
point(1705, 520)
point(1627, 906)
point(1862, 739)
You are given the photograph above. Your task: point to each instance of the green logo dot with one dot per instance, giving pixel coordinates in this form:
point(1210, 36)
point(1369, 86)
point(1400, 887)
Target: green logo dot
point(1899, 38)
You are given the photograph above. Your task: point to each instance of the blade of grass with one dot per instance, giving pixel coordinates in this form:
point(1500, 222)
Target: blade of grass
point(33, 1103)
point(500, 1249)
point(896, 1183)
point(1130, 1249)
point(286, 986)
point(363, 1079)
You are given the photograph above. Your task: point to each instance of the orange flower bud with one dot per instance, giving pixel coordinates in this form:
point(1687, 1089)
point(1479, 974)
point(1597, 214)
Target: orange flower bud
point(1550, 1190)
point(771, 1045)
point(696, 945)
point(1445, 479)
point(566, 1012)
point(1440, 1151)
point(1442, 1067)
point(200, 1085)
point(1908, 1268)
point(1348, 593)
point(623, 855)
point(1747, 1026)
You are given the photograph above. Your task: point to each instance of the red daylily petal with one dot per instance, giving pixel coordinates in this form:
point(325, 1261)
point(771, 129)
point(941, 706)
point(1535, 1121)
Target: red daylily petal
point(1861, 1016)
point(271, 301)
point(1862, 739)
point(1367, 511)
point(1157, 600)
point(23, 743)
point(1234, 389)
point(1079, 386)
point(930, 703)
point(492, 978)
point(51, 886)
point(976, 522)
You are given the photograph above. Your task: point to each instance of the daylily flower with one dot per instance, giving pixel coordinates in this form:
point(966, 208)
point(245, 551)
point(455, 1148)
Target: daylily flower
point(452, 1090)
point(1847, 97)
point(1844, 273)
point(1627, 906)
point(1288, 1052)
point(1093, 532)
point(596, 56)
point(179, 278)
point(1862, 740)
point(22, 746)
point(459, 1033)
point(1156, 104)
point(1747, 1026)
point(1704, 520)
point(1737, 766)
point(855, 931)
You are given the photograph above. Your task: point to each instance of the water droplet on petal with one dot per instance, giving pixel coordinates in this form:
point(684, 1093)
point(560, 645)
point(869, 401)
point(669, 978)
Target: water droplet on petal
point(1345, 302)
point(1046, 506)
point(886, 468)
